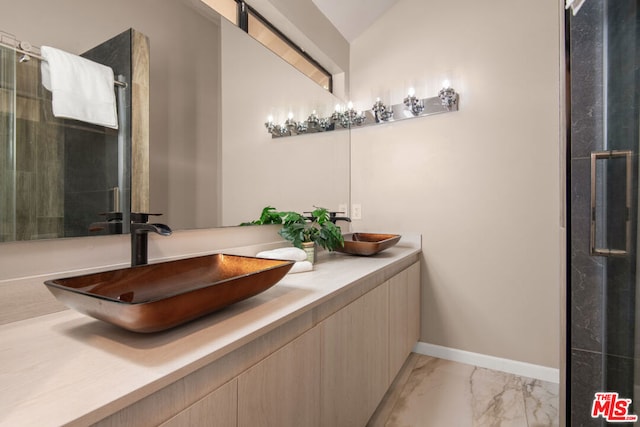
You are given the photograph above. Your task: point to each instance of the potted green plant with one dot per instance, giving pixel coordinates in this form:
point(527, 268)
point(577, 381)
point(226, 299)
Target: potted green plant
point(269, 215)
point(304, 232)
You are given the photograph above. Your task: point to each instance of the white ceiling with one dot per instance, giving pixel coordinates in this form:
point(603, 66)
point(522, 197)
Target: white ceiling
point(352, 17)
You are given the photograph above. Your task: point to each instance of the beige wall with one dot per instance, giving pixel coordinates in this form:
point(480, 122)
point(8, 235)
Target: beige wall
point(481, 185)
point(292, 173)
point(307, 27)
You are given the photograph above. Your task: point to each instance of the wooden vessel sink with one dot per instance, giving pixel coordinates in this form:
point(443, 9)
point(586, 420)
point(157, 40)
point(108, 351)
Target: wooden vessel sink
point(155, 297)
point(367, 244)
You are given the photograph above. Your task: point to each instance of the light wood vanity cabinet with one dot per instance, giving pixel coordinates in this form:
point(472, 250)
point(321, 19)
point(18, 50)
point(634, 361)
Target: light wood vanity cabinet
point(404, 316)
point(355, 359)
point(284, 389)
point(218, 409)
point(333, 373)
point(337, 373)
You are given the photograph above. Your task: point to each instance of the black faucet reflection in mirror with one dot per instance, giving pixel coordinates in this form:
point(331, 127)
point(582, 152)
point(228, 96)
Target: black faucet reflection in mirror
point(333, 217)
point(140, 228)
point(111, 225)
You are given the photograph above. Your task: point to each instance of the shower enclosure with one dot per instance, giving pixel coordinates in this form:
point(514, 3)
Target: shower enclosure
point(60, 177)
point(603, 46)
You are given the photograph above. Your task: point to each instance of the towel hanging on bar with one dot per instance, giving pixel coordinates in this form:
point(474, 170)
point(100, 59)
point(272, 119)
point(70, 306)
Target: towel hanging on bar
point(81, 89)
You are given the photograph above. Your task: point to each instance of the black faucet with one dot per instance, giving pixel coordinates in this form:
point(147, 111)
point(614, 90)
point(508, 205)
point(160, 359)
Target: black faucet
point(139, 236)
point(333, 217)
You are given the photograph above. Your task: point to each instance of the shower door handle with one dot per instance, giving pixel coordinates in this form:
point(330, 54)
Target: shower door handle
point(608, 155)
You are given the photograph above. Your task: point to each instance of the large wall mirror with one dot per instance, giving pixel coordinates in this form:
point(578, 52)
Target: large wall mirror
point(211, 161)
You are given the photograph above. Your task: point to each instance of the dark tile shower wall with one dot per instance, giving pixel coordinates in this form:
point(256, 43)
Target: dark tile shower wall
point(602, 293)
point(91, 171)
point(40, 181)
point(37, 207)
point(91, 152)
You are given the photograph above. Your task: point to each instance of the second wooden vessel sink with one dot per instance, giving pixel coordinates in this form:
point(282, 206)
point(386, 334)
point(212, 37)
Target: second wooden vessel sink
point(155, 297)
point(366, 244)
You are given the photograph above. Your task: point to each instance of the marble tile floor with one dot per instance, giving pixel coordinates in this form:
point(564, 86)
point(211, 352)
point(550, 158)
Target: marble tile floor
point(431, 392)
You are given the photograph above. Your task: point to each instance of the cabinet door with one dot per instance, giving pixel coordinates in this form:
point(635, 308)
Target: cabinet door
point(355, 360)
point(414, 303)
point(404, 316)
point(218, 409)
point(283, 389)
point(398, 321)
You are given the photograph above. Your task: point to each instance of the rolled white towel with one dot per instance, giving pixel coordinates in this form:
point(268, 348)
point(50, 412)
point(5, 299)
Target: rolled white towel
point(301, 266)
point(290, 254)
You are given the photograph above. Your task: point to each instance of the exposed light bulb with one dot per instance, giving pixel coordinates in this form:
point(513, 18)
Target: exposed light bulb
point(446, 84)
point(290, 116)
point(270, 119)
point(412, 92)
point(350, 105)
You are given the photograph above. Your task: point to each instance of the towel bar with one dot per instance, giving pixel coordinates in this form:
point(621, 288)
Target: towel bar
point(34, 55)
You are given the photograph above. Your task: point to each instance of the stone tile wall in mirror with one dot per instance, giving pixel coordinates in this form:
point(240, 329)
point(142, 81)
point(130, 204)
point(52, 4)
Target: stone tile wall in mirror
point(32, 171)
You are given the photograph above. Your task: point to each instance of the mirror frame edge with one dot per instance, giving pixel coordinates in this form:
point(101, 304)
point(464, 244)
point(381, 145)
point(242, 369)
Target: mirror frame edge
point(140, 122)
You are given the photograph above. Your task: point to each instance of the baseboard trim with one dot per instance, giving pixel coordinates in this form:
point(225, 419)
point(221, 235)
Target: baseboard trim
point(523, 369)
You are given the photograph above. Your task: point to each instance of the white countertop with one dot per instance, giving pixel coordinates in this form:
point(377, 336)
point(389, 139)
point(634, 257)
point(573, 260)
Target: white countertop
point(69, 368)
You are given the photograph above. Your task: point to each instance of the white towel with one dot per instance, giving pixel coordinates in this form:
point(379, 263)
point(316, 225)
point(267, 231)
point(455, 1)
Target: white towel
point(81, 89)
point(301, 266)
point(290, 254)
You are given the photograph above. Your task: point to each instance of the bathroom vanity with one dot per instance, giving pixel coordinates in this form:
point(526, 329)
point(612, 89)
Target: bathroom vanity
point(320, 348)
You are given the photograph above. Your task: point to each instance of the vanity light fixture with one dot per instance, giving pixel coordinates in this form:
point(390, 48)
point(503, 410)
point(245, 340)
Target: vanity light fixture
point(301, 127)
point(448, 96)
point(271, 127)
point(348, 117)
point(337, 115)
point(415, 105)
point(316, 124)
point(269, 124)
point(276, 130)
point(313, 122)
point(359, 118)
point(353, 117)
point(382, 112)
point(290, 123)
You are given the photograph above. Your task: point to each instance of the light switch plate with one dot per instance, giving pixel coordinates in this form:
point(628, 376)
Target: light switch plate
point(356, 211)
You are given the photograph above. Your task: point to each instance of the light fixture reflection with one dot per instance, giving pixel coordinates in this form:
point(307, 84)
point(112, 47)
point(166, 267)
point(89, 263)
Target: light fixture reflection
point(347, 117)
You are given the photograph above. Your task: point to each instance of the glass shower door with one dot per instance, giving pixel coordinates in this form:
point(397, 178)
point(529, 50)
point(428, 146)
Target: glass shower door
point(7, 144)
point(61, 177)
point(604, 47)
